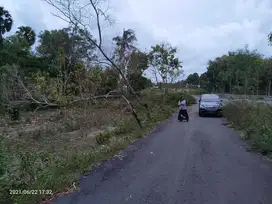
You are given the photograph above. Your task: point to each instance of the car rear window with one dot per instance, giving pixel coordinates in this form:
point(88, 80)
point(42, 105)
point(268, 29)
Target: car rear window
point(210, 98)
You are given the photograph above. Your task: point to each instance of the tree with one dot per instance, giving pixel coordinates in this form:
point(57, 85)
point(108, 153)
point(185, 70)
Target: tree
point(139, 82)
point(266, 77)
point(204, 81)
point(164, 62)
point(137, 64)
point(193, 79)
point(109, 80)
point(13, 51)
point(75, 46)
point(268, 69)
point(124, 48)
point(77, 15)
point(241, 71)
point(66, 50)
point(125, 44)
point(26, 35)
point(6, 22)
point(80, 16)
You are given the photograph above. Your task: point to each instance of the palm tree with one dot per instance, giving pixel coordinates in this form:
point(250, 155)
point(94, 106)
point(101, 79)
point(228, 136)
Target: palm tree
point(124, 47)
point(5, 22)
point(125, 42)
point(25, 33)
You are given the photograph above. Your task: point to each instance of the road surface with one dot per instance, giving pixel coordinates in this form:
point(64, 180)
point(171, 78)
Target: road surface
point(198, 162)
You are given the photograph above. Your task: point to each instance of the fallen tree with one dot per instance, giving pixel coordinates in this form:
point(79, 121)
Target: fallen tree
point(81, 16)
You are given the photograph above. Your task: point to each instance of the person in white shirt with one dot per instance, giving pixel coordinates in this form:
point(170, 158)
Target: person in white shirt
point(183, 109)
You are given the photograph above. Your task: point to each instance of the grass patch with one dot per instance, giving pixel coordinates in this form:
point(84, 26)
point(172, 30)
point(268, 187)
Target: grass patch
point(255, 120)
point(196, 91)
point(67, 143)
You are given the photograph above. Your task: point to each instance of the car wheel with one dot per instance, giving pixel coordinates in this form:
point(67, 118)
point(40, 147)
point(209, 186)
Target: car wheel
point(200, 114)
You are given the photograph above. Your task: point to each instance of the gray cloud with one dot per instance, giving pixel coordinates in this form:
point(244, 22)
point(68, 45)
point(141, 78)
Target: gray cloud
point(201, 29)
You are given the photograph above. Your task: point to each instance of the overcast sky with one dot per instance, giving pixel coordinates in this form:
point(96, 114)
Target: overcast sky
point(202, 29)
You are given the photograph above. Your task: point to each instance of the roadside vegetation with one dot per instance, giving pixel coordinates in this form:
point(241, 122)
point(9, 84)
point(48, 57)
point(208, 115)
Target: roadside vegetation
point(66, 144)
point(244, 77)
point(255, 122)
point(241, 72)
point(67, 105)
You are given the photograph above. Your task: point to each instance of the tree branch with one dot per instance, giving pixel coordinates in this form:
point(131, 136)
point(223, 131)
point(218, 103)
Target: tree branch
point(97, 22)
point(76, 22)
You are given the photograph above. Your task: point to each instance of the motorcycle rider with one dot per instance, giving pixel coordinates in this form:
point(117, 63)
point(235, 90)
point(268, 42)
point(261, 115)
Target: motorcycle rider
point(183, 109)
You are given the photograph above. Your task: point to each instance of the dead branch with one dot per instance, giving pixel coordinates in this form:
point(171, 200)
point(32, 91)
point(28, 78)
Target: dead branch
point(41, 104)
point(133, 110)
point(71, 18)
point(118, 95)
point(97, 23)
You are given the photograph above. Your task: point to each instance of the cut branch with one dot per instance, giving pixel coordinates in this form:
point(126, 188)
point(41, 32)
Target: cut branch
point(71, 18)
point(118, 95)
point(40, 104)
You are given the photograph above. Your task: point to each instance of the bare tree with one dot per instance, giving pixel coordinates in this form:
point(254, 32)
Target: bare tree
point(83, 15)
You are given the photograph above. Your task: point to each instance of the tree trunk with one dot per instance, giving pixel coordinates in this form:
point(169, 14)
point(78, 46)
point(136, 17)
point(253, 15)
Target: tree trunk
point(230, 87)
point(166, 86)
point(269, 88)
point(245, 86)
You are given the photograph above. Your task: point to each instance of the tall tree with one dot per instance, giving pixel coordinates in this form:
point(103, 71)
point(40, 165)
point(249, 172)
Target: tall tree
point(124, 48)
point(26, 35)
point(193, 79)
point(66, 51)
point(68, 44)
point(6, 22)
point(163, 60)
point(240, 71)
point(137, 64)
point(125, 43)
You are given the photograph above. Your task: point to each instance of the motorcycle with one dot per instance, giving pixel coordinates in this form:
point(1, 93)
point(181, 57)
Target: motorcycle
point(182, 117)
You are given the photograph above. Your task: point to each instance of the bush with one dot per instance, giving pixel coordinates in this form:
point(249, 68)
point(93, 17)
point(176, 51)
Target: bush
point(197, 91)
point(22, 168)
point(255, 120)
point(102, 138)
point(173, 98)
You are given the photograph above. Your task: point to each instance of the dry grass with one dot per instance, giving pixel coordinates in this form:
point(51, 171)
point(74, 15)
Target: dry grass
point(51, 149)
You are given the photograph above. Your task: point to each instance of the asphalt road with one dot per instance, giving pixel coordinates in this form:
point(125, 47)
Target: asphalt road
point(198, 162)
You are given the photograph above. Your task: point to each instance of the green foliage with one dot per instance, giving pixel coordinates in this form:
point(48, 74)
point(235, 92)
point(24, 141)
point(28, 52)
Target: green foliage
point(173, 98)
point(109, 80)
point(162, 58)
point(35, 152)
point(196, 91)
point(193, 79)
point(14, 113)
point(124, 43)
point(242, 72)
point(26, 35)
point(102, 138)
point(255, 120)
point(6, 22)
point(139, 82)
point(138, 62)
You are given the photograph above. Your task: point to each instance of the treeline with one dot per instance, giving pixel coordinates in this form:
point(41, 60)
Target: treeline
point(243, 71)
point(58, 66)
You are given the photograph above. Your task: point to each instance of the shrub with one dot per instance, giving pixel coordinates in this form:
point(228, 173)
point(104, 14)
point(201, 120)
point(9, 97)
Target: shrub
point(255, 120)
point(14, 113)
point(197, 91)
point(173, 98)
point(102, 138)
